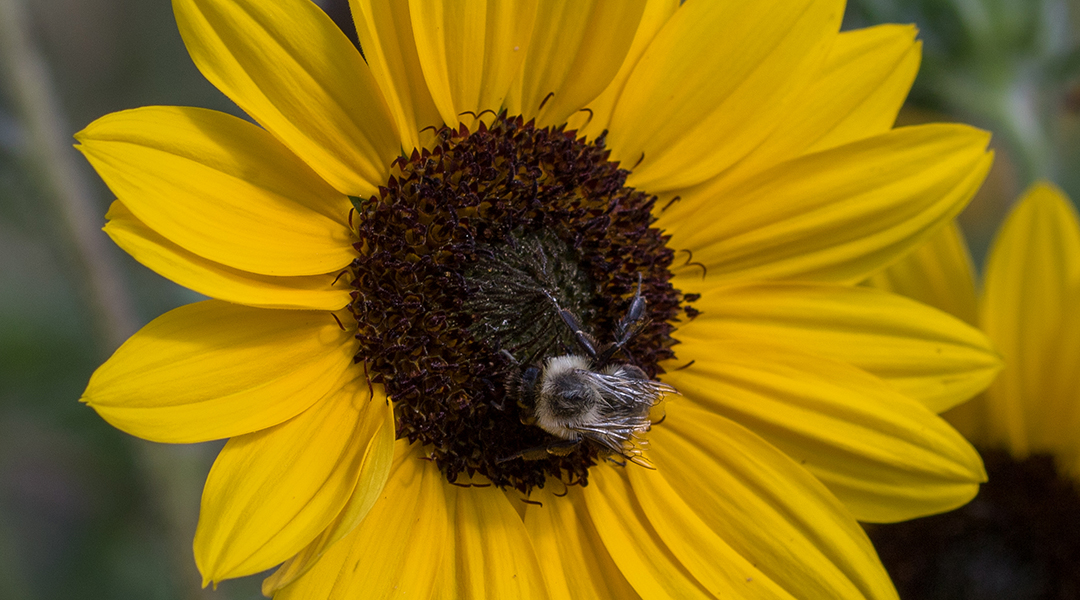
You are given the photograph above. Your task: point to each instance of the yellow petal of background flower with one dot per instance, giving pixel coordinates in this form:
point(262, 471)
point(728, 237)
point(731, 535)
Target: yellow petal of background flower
point(493, 556)
point(289, 67)
point(714, 83)
point(471, 50)
point(938, 273)
point(311, 292)
point(1060, 412)
point(718, 487)
point(837, 215)
point(923, 353)
point(576, 48)
point(214, 370)
point(386, 35)
point(221, 188)
point(884, 455)
point(397, 551)
point(270, 493)
point(575, 563)
point(375, 469)
point(594, 121)
point(1032, 276)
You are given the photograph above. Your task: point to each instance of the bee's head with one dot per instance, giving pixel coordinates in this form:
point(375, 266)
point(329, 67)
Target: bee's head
point(566, 388)
point(567, 394)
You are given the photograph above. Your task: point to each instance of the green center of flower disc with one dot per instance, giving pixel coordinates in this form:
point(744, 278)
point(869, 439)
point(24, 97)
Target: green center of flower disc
point(468, 255)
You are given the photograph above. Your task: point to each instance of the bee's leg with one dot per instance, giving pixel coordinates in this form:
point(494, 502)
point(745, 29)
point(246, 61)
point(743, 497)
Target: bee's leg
point(537, 453)
point(562, 447)
point(628, 325)
point(583, 339)
point(510, 357)
point(634, 312)
point(513, 385)
point(556, 448)
point(527, 394)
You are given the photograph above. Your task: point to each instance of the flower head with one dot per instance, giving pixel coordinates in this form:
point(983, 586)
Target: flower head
point(1028, 515)
point(457, 284)
point(1030, 286)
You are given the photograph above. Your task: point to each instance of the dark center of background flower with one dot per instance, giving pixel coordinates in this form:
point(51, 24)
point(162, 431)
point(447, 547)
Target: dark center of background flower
point(1018, 539)
point(467, 254)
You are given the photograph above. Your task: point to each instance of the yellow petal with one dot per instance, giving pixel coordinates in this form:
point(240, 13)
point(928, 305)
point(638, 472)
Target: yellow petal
point(576, 48)
point(719, 489)
point(575, 563)
point(272, 492)
point(921, 352)
point(837, 215)
point(221, 188)
point(1057, 417)
point(1032, 272)
point(374, 471)
point(856, 94)
point(714, 83)
point(885, 456)
point(214, 370)
point(938, 273)
point(493, 554)
point(397, 551)
point(596, 120)
point(386, 35)
point(644, 558)
point(311, 292)
point(287, 65)
point(868, 75)
point(471, 50)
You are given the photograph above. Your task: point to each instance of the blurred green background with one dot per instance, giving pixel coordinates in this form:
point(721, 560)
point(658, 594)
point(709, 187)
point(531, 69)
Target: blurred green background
point(87, 511)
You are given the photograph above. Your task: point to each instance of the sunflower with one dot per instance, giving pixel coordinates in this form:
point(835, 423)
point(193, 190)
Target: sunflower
point(1027, 517)
point(545, 299)
point(1027, 307)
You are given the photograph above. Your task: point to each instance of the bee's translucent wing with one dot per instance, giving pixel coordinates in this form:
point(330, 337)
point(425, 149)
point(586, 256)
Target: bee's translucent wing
point(624, 413)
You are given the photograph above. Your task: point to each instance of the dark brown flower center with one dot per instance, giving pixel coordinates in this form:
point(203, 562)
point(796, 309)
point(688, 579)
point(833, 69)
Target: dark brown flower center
point(1019, 538)
point(468, 255)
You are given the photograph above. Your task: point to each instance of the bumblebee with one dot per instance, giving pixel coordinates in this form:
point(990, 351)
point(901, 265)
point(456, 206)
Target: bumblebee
point(589, 397)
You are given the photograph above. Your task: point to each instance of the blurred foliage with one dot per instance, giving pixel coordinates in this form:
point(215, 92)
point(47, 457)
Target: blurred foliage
point(79, 517)
point(1009, 66)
